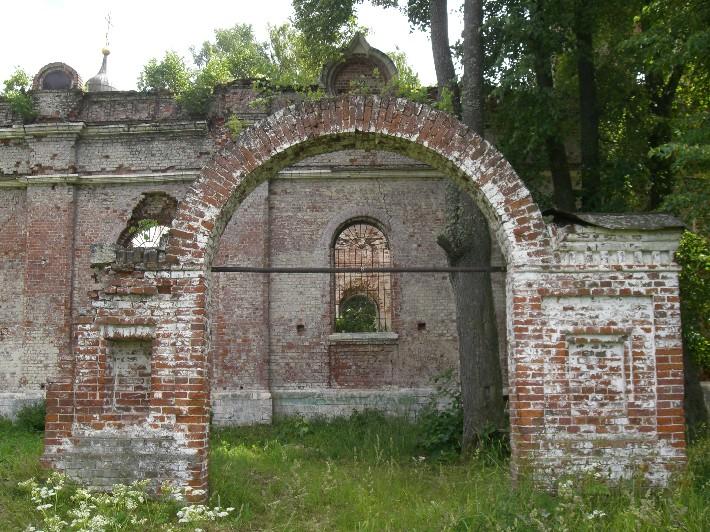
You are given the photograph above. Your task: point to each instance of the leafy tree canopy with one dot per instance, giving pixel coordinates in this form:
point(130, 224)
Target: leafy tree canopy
point(15, 92)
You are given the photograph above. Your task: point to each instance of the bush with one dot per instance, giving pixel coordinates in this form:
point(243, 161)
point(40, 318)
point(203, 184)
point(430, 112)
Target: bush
point(31, 417)
point(694, 257)
point(441, 426)
point(441, 421)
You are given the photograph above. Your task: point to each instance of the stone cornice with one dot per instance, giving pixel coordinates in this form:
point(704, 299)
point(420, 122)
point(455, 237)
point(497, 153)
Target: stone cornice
point(26, 131)
point(103, 179)
point(110, 130)
point(81, 129)
point(188, 176)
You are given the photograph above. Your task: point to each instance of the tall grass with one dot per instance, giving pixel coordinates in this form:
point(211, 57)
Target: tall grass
point(368, 473)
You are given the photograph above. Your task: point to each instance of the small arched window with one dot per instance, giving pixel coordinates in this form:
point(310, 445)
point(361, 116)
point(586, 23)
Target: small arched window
point(56, 80)
point(150, 221)
point(363, 300)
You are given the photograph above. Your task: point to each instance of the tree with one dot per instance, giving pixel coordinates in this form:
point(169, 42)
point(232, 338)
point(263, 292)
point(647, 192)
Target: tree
point(584, 23)
point(523, 38)
point(466, 241)
point(285, 60)
point(15, 92)
point(170, 74)
point(441, 52)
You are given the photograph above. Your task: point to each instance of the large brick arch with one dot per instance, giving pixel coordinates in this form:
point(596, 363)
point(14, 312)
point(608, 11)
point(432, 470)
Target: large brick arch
point(371, 122)
point(594, 346)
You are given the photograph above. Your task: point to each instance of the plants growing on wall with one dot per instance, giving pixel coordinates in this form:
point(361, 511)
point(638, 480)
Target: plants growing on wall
point(15, 91)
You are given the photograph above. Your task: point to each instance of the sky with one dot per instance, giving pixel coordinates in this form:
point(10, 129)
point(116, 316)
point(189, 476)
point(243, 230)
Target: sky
point(38, 32)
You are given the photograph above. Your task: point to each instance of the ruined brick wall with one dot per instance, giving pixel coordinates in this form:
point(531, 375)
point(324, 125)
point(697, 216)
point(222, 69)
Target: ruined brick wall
point(66, 188)
point(13, 252)
point(594, 350)
point(240, 326)
point(598, 357)
point(108, 165)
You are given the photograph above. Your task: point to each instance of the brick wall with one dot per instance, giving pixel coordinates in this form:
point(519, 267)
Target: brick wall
point(594, 350)
point(13, 253)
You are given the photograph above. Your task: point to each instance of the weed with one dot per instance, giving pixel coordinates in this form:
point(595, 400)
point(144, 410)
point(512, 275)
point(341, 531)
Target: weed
point(361, 473)
point(31, 417)
point(441, 421)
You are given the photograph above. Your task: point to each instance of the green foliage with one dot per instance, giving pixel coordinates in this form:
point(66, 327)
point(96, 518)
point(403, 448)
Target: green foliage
point(143, 225)
point(330, 23)
point(171, 73)
point(641, 50)
point(441, 421)
point(15, 92)
point(234, 125)
point(294, 61)
point(406, 83)
point(243, 55)
point(31, 417)
point(441, 427)
point(197, 97)
point(694, 257)
point(365, 473)
point(286, 59)
point(357, 314)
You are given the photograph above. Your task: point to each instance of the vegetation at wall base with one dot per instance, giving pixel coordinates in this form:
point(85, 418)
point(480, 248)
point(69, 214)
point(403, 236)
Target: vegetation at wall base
point(31, 417)
point(368, 473)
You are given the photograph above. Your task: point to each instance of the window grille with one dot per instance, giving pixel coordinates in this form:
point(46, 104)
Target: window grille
point(363, 301)
point(149, 237)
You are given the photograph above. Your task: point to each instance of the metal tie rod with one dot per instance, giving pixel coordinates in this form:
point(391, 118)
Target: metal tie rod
point(419, 269)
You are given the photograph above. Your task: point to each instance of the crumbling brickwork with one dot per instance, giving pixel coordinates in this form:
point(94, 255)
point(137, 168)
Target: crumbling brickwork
point(594, 345)
point(139, 348)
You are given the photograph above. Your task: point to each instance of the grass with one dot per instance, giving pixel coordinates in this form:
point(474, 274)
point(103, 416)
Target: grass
point(366, 473)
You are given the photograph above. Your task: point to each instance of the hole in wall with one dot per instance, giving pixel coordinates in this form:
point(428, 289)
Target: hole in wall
point(128, 374)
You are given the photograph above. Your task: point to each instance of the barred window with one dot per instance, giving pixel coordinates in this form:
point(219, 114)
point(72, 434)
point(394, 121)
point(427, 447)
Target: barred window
point(363, 301)
point(149, 236)
point(150, 221)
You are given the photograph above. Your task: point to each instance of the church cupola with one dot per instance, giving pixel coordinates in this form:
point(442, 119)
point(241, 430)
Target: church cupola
point(100, 82)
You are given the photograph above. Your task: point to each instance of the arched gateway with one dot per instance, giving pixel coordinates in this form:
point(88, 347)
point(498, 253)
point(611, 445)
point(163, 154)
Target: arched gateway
point(594, 348)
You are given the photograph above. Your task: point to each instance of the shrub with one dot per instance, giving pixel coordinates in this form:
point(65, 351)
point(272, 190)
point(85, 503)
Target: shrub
point(441, 421)
point(31, 417)
point(694, 257)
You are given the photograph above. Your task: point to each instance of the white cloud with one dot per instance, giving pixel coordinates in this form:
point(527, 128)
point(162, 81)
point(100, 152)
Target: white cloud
point(37, 32)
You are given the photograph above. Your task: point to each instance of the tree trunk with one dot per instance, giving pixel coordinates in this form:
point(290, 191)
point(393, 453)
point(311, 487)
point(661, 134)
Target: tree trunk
point(466, 242)
point(441, 52)
point(662, 96)
point(555, 148)
point(472, 89)
point(588, 107)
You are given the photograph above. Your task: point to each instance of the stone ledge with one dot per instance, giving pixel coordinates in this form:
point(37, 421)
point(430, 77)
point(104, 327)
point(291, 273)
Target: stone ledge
point(335, 402)
point(364, 338)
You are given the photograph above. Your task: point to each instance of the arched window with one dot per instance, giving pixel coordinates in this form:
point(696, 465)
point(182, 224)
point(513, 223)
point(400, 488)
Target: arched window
point(149, 222)
point(363, 301)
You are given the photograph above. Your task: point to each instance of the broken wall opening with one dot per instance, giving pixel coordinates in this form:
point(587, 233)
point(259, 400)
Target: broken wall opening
point(128, 376)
